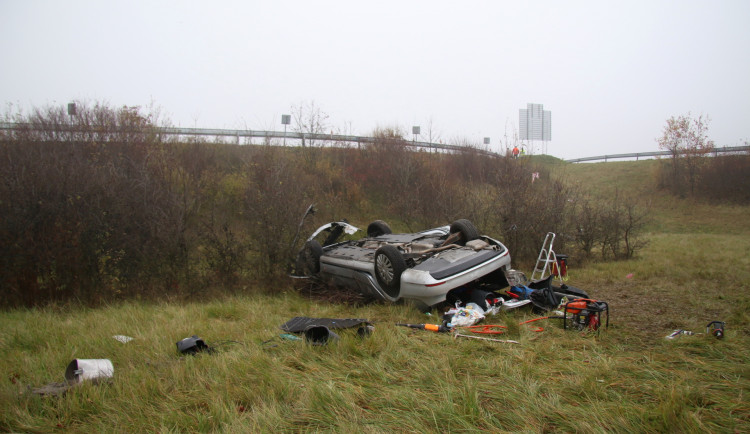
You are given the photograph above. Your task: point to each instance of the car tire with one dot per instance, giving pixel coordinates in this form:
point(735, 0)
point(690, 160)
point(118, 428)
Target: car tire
point(466, 228)
point(389, 265)
point(378, 228)
point(312, 253)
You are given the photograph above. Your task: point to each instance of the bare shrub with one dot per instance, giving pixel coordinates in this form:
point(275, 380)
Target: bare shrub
point(389, 173)
point(470, 165)
point(85, 213)
point(726, 179)
point(309, 120)
point(225, 253)
point(442, 197)
point(621, 225)
point(527, 207)
point(586, 220)
point(97, 206)
point(274, 199)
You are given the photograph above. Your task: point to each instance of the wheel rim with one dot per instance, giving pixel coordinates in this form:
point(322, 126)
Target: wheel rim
point(385, 269)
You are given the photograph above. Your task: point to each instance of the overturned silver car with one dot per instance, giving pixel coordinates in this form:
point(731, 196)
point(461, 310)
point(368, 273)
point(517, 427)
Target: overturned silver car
point(424, 266)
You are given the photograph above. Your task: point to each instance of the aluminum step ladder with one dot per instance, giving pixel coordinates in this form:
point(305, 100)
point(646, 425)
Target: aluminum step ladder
point(546, 260)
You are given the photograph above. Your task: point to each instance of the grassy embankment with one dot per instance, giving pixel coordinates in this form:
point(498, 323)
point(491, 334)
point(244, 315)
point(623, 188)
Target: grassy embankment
point(629, 379)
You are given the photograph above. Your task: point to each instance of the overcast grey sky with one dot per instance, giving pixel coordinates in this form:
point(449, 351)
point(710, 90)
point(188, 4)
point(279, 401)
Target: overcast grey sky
point(610, 72)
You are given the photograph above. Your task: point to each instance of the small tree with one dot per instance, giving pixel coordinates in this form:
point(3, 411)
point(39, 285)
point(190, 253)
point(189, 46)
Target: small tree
point(309, 119)
point(687, 141)
point(433, 134)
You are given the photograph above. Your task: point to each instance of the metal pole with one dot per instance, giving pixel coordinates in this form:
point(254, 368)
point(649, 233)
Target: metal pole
point(506, 341)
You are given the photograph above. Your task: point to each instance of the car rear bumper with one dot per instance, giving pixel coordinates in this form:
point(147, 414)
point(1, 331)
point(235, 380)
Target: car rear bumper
point(422, 286)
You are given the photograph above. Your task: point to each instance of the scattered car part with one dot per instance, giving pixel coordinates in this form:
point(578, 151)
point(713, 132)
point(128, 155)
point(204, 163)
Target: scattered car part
point(570, 290)
point(80, 370)
point(677, 333)
point(514, 304)
point(716, 328)
point(319, 335)
point(53, 389)
point(318, 331)
point(192, 345)
point(563, 289)
point(299, 324)
point(365, 331)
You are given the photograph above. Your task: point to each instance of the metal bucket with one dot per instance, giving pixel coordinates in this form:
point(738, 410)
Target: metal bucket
point(89, 369)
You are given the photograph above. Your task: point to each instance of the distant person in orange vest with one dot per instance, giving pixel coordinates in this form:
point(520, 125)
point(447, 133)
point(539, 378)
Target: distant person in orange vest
point(515, 152)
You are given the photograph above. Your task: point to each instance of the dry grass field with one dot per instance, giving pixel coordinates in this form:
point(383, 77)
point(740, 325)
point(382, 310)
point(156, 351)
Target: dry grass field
point(629, 378)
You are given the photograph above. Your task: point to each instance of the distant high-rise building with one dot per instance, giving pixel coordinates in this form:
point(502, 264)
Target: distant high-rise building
point(535, 123)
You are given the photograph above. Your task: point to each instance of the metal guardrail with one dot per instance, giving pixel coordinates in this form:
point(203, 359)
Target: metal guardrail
point(334, 138)
point(215, 132)
point(637, 155)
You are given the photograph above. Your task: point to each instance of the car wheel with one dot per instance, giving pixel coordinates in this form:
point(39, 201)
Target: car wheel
point(466, 228)
point(389, 264)
point(313, 251)
point(378, 228)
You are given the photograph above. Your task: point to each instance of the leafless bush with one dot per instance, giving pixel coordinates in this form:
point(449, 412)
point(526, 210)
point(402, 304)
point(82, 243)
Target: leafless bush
point(274, 199)
point(528, 204)
point(97, 206)
point(225, 253)
point(726, 179)
point(586, 221)
point(442, 199)
point(613, 228)
point(309, 120)
point(85, 215)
